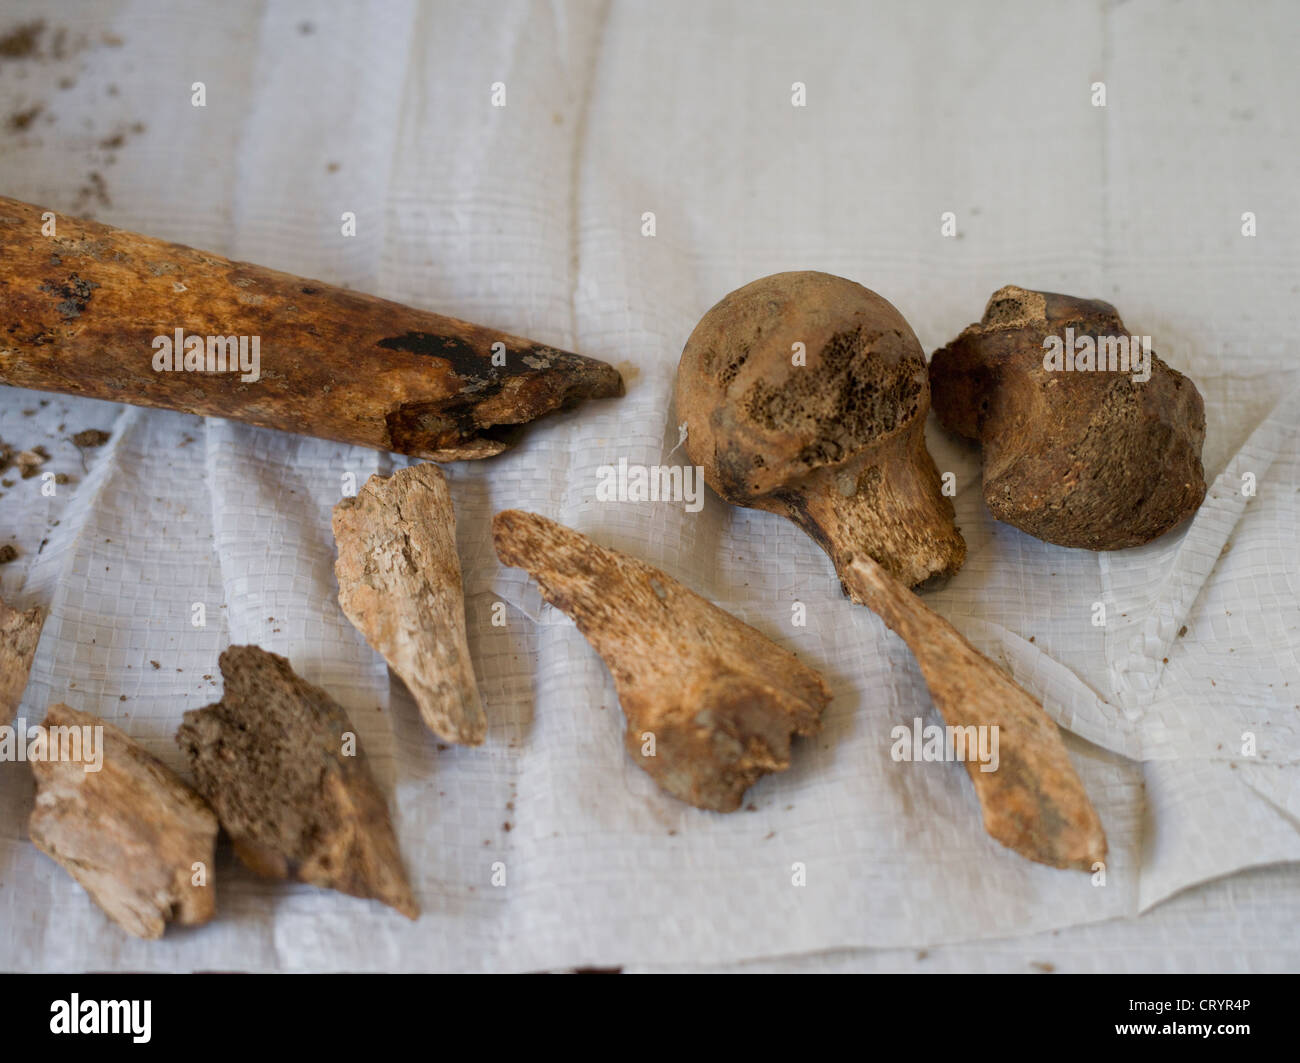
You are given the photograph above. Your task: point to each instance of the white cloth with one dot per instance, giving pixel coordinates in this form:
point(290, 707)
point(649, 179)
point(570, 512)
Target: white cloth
point(529, 217)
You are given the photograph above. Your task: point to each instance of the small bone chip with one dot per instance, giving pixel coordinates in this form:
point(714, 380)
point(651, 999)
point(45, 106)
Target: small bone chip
point(19, 634)
point(122, 824)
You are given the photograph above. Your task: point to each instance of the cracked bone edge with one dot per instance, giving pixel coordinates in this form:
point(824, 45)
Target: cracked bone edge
point(720, 699)
point(19, 634)
point(400, 585)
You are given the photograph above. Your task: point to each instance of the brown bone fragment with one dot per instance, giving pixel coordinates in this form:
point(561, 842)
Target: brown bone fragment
point(399, 583)
point(1089, 458)
point(720, 699)
point(1034, 801)
point(273, 758)
point(135, 837)
point(836, 444)
point(79, 313)
point(877, 513)
point(19, 634)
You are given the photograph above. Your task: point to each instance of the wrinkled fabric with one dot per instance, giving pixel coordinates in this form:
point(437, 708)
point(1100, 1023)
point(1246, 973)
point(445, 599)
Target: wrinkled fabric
point(547, 847)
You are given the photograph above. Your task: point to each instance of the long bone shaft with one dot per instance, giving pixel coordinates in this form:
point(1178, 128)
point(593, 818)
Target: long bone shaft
point(103, 312)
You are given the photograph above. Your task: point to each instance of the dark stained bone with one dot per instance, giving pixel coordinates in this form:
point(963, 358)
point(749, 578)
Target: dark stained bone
point(79, 313)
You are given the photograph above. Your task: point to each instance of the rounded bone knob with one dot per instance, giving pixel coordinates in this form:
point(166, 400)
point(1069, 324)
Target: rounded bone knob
point(806, 394)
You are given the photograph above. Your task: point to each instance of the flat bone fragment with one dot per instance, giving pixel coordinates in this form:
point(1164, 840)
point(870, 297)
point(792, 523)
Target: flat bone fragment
point(720, 699)
point(132, 834)
point(112, 314)
point(400, 585)
point(279, 760)
point(19, 634)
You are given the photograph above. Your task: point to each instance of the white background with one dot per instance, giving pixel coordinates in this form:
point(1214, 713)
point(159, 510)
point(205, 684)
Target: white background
point(529, 218)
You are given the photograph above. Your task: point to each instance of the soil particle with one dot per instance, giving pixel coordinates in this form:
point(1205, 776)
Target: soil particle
point(30, 461)
point(91, 437)
point(22, 42)
point(21, 120)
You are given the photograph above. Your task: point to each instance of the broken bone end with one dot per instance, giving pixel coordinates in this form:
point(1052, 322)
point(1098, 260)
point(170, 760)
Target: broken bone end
point(711, 704)
point(400, 585)
point(129, 831)
point(279, 760)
